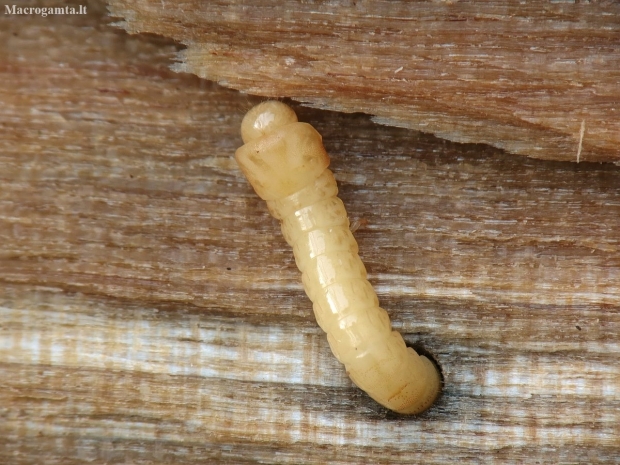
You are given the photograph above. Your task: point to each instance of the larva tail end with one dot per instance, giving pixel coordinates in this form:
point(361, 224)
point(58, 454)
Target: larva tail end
point(431, 392)
point(265, 118)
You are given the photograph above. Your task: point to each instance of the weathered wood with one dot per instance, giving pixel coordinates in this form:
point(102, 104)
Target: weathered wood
point(150, 312)
point(537, 78)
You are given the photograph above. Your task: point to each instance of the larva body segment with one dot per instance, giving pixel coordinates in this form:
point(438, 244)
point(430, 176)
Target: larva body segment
point(286, 163)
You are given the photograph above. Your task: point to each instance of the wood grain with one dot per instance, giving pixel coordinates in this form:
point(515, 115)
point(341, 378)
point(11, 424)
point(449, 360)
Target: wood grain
point(150, 312)
point(535, 78)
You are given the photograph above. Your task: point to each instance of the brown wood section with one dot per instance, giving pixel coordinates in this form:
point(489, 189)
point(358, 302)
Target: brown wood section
point(150, 311)
point(536, 78)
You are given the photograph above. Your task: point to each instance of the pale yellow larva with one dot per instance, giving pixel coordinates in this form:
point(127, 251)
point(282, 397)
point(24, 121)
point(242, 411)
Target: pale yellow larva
point(286, 163)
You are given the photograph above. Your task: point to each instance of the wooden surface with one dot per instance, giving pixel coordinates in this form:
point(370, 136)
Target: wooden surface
point(538, 78)
point(150, 312)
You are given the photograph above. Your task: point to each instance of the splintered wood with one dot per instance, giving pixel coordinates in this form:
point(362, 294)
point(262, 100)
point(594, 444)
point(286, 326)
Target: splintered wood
point(150, 311)
point(521, 76)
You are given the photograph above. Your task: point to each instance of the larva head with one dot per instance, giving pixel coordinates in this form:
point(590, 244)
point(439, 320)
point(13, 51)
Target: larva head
point(266, 118)
point(280, 156)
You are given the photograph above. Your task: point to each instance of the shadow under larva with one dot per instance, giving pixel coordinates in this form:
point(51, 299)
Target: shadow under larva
point(286, 164)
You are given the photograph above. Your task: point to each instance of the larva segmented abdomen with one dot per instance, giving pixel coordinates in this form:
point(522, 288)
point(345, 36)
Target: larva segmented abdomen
point(287, 165)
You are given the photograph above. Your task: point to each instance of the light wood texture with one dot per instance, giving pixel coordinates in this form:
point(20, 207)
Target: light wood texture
point(150, 311)
point(536, 78)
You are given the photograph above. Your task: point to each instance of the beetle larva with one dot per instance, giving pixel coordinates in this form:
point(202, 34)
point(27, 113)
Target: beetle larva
point(286, 164)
